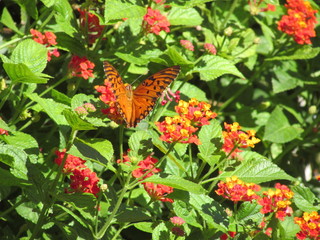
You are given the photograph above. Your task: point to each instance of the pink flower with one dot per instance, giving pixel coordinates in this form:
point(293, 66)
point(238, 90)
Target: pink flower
point(187, 45)
point(155, 22)
point(210, 48)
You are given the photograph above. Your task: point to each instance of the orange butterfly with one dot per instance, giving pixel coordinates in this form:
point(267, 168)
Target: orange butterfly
point(135, 105)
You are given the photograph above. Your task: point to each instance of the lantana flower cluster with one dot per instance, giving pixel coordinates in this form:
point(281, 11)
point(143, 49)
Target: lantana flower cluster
point(89, 24)
point(181, 128)
point(236, 190)
point(235, 139)
point(300, 21)
point(47, 39)
point(82, 178)
point(81, 67)
point(310, 226)
point(107, 96)
point(155, 22)
point(146, 168)
point(278, 201)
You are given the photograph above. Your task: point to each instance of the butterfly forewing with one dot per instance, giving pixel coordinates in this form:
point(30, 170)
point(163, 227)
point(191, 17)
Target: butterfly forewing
point(124, 105)
point(135, 106)
point(148, 92)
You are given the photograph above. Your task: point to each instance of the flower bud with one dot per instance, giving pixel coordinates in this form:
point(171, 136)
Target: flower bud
point(312, 110)
point(228, 31)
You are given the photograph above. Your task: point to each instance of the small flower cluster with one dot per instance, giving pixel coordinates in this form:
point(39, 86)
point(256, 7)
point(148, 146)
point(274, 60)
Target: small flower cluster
point(81, 67)
point(155, 22)
point(235, 139)
point(170, 96)
point(187, 45)
point(300, 21)
point(85, 109)
point(210, 48)
point(277, 201)
point(310, 226)
point(177, 222)
point(109, 98)
point(89, 24)
point(82, 178)
point(3, 132)
point(47, 39)
point(181, 128)
point(146, 168)
point(236, 190)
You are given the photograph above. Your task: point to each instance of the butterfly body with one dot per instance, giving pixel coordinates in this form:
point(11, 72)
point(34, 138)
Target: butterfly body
point(135, 105)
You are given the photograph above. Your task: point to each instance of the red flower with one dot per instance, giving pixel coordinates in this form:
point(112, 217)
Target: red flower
point(84, 180)
point(310, 226)
point(226, 236)
point(81, 67)
point(236, 190)
point(47, 39)
point(277, 201)
point(178, 231)
point(210, 48)
point(187, 45)
point(155, 22)
point(3, 132)
point(72, 162)
point(300, 21)
point(90, 25)
point(158, 191)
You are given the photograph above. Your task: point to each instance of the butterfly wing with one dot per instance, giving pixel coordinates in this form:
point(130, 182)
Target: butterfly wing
point(148, 92)
point(122, 93)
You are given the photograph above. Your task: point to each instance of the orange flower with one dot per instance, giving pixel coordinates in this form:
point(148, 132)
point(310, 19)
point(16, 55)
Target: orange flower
point(309, 225)
point(277, 201)
point(155, 22)
point(235, 139)
point(300, 21)
point(236, 190)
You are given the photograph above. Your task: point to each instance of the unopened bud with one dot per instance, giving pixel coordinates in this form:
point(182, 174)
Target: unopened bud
point(228, 31)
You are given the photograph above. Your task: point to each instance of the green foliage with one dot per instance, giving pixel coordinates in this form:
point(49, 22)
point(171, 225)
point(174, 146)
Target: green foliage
point(128, 183)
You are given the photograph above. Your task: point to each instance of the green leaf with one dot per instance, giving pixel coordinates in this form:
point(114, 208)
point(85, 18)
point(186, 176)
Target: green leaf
point(28, 211)
point(85, 201)
point(176, 58)
point(64, 16)
point(186, 4)
point(211, 138)
point(305, 199)
point(186, 212)
point(70, 44)
point(133, 214)
point(52, 108)
point(212, 67)
point(144, 226)
point(80, 99)
point(287, 228)
point(48, 3)
point(305, 52)
point(21, 73)
point(30, 7)
point(9, 180)
point(278, 128)
point(189, 90)
point(100, 149)
point(249, 212)
point(25, 142)
point(211, 211)
point(131, 59)
point(32, 54)
point(284, 81)
point(117, 10)
point(188, 17)
point(60, 97)
point(160, 232)
point(178, 183)
point(256, 169)
point(76, 122)
point(140, 144)
point(7, 20)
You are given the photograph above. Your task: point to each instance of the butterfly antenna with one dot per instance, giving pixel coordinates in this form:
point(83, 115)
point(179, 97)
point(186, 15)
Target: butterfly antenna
point(137, 79)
